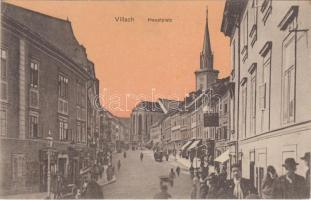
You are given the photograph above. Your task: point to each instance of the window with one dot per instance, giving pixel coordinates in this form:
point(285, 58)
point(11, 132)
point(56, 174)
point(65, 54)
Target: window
point(62, 94)
point(81, 132)
point(225, 108)
point(253, 18)
point(266, 8)
point(264, 87)
point(243, 110)
point(289, 79)
point(34, 74)
point(63, 129)
point(3, 121)
point(33, 126)
point(245, 37)
point(62, 87)
point(253, 100)
point(225, 133)
point(3, 64)
point(18, 166)
point(233, 55)
point(34, 98)
point(3, 72)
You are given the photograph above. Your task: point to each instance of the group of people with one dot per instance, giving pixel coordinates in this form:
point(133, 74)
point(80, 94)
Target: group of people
point(289, 186)
point(172, 175)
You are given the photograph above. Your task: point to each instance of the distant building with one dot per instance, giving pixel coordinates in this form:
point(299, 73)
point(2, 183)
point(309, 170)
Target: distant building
point(142, 117)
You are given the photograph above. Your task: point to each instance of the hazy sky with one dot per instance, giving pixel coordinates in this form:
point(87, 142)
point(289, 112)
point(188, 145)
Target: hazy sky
point(141, 59)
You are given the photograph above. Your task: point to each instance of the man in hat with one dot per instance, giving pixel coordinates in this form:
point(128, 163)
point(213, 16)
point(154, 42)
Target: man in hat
point(306, 158)
point(291, 185)
point(239, 187)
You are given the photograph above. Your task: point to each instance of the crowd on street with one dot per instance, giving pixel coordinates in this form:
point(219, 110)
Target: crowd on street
point(87, 184)
point(215, 185)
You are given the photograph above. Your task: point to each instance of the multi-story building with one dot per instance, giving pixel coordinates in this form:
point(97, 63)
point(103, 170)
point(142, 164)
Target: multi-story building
point(45, 77)
point(270, 62)
point(176, 137)
point(155, 131)
point(166, 132)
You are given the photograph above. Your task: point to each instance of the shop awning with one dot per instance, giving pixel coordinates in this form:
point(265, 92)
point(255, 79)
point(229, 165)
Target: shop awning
point(194, 144)
point(223, 157)
point(186, 145)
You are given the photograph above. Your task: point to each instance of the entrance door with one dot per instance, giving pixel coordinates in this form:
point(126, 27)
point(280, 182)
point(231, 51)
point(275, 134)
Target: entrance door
point(259, 178)
point(62, 166)
point(43, 176)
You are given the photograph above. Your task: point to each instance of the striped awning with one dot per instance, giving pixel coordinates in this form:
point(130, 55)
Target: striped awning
point(194, 144)
point(186, 145)
point(223, 157)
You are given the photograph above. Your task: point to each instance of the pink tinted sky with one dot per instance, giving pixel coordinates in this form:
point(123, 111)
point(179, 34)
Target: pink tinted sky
point(142, 60)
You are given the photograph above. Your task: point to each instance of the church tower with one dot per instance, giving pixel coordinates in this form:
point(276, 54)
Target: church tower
point(206, 74)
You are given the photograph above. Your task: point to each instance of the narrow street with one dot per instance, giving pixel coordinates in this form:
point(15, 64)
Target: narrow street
point(140, 180)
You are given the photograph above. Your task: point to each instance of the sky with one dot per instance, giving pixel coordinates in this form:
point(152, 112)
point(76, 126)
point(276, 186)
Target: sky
point(142, 60)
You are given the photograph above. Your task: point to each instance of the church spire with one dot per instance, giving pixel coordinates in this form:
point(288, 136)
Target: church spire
point(206, 54)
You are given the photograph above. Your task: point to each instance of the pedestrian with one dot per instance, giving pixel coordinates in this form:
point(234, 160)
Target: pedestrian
point(124, 154)
point(222, 177)
point(58, 186)
point(93, 190)
point(96, 171)
point(306, 159)
point(166, 156)
point(191, 170)
point(119, 165)
point(268, 187)
point(172, 176)
point(215, 190)
point(141, 156)
point(177, 170)
point(195, 193)
point(239, 187)
point(203, 188)
point(112, 172)
point(163, 194)
point(109, 172)
point(101, 170)
point(291, 185)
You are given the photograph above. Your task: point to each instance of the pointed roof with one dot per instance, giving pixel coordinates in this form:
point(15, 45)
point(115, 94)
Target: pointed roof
point(207, 49)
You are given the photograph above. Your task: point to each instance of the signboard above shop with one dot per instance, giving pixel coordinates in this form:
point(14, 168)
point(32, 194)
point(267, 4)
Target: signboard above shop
point(211, 119)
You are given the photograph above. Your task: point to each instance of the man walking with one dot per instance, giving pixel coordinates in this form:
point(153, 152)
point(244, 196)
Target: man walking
point(239, 187)
point(177, 170)
point(172, 176)
point(119, 165)
point(291, 185)
point(141, 156)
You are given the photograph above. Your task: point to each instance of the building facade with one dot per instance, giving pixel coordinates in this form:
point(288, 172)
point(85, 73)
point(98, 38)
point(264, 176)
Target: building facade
point(142, 117)
point(45, 75)
point(270, 62)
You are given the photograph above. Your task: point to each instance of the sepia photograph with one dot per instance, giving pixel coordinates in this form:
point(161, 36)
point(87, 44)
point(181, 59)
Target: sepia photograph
point(149, 99)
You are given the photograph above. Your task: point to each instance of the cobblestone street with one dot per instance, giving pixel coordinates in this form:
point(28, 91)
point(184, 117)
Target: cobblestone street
point(138, 179)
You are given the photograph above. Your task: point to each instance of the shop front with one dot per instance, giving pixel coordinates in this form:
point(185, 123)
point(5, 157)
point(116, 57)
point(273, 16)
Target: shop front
point(43, 160)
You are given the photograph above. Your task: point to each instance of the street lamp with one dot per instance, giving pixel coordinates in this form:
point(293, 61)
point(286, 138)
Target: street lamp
point(49, 138)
